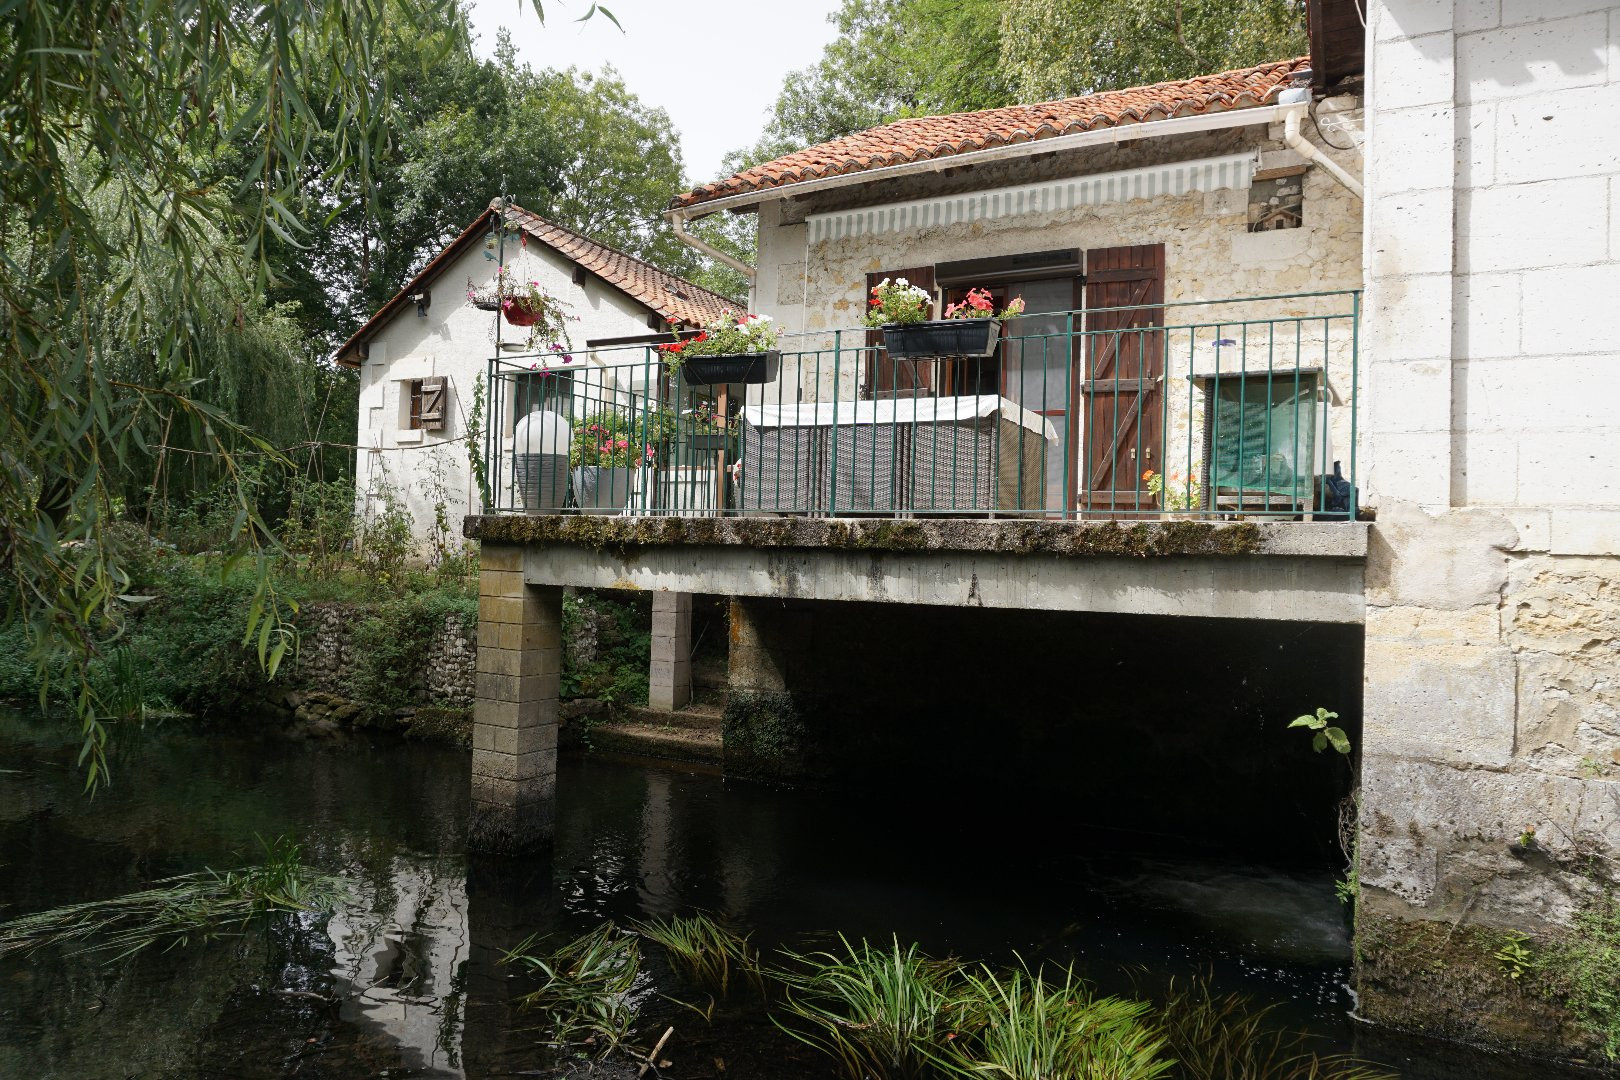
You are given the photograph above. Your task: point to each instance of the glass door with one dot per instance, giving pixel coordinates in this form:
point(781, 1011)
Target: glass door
point(1036, 369)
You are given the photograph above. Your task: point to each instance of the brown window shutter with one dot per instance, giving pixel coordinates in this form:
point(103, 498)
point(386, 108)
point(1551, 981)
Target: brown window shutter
point(434, 393)
point(884, 376)
point(1122, 384)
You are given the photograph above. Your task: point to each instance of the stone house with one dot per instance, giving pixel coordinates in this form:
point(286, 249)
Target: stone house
point(1185, 194)
point(423, 353)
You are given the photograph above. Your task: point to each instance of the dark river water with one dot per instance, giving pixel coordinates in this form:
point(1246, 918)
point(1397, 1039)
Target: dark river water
point(403, 980)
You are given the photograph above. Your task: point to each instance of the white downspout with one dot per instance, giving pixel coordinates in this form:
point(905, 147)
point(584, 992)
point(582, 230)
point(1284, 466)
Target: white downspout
point(1306, 149)
point(677, 218)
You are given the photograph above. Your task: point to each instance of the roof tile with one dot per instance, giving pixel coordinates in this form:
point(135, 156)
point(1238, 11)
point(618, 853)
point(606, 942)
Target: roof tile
point(923, 137)
point(675, 299)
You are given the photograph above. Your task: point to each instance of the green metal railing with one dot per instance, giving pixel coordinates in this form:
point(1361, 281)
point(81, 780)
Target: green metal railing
point(1199, 409)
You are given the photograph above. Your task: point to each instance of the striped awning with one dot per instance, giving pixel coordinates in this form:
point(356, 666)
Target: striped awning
point(1050, 196)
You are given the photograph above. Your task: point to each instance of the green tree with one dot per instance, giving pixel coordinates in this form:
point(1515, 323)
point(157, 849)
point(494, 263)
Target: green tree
point(899, 58)
point(892, 58)
point(133, 235)
point(1063, 48)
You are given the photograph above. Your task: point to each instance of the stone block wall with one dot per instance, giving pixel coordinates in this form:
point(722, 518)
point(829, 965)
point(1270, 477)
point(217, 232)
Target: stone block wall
point(318, 685)
point(1491, 775)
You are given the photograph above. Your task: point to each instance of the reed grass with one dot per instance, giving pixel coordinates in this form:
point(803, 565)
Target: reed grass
point(179, 910)
point(706, 952)
point(1228, 1037)
point(1022, 1025)
point(881, 1012)
point(586, 990)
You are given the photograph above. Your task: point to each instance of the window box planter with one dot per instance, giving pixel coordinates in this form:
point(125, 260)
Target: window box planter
point(945, 337)
point(761, 367)
point(712, 441)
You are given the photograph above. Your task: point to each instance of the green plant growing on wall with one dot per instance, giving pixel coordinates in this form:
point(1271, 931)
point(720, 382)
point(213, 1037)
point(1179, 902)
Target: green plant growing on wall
point(1514, 955)
point(1325, 734)
point(1585, 964)
point(474, 439)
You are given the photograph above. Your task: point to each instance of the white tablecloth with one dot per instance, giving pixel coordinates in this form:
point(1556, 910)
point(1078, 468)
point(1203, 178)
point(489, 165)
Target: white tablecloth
point(920, 410)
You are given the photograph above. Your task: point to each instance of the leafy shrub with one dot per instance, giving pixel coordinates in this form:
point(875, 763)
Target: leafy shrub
point(391, 645)
point(319, 528)
point(608, 638)
point(386, 540)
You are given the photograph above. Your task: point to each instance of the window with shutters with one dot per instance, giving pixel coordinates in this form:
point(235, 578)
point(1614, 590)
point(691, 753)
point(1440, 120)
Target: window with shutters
point(424, 404)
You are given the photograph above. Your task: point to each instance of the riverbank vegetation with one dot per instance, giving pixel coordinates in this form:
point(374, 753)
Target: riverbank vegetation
point(178, 648)
point(887, 1011)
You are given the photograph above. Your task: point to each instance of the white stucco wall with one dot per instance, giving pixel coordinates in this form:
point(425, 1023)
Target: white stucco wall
point(456, 340)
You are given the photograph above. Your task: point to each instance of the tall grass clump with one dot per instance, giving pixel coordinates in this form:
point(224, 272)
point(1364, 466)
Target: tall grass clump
point(707, 953)
point(586, 992)
point(881, 1012)
point(1227, 1037)
point(179, 910)
point(1023, 1026)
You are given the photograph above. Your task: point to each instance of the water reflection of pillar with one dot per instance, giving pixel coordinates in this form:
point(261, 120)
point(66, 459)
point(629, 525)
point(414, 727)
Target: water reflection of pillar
point(504, 900)
point(400, 952)
point(657, 891)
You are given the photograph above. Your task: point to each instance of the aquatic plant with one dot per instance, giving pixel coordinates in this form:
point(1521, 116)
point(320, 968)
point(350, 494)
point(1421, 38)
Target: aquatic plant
point(880, 1012)
point(586, 988)
point(1228, 1037)
point(179, 910)
point(706, 952)
point(1023, 1026)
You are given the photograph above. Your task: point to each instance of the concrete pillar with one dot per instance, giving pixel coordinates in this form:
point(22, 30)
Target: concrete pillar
point(669, 680)
point(514, 762)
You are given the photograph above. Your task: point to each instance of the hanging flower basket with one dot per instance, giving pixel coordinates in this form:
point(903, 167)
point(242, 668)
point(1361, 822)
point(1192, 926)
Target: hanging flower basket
point(760, 367)
point(946, 337)
point(519, 312)
point(485, 299)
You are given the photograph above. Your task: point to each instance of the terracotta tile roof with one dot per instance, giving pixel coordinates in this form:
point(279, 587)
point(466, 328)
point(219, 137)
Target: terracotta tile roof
point(925, 137)
point(674, 299)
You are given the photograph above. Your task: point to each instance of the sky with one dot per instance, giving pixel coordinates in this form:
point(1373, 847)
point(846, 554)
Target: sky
point(714, 65)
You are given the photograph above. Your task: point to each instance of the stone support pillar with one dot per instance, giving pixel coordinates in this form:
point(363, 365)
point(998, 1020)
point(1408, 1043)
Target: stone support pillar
point(768, 703)
point(514, 762)
point(669, 679)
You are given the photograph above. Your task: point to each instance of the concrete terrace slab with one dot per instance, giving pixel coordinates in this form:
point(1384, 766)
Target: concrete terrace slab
point(1308, 572)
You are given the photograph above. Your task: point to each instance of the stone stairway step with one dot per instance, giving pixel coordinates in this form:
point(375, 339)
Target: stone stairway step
point(695, 717)
point(658, 741)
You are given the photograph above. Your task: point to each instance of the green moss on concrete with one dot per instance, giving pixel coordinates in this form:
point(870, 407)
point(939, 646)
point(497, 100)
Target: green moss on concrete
point(626, 535)
point(765, 735)
point(438, 723)
point(1445, 980)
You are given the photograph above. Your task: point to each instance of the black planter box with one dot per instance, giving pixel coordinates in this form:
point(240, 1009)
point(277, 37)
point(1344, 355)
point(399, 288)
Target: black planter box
point(947, 337)
point(739, 368)
point(712, 441)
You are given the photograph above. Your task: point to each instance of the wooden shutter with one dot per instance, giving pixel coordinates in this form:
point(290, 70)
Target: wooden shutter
point(435, 391)
point(1123, 388)
point(883, 377)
